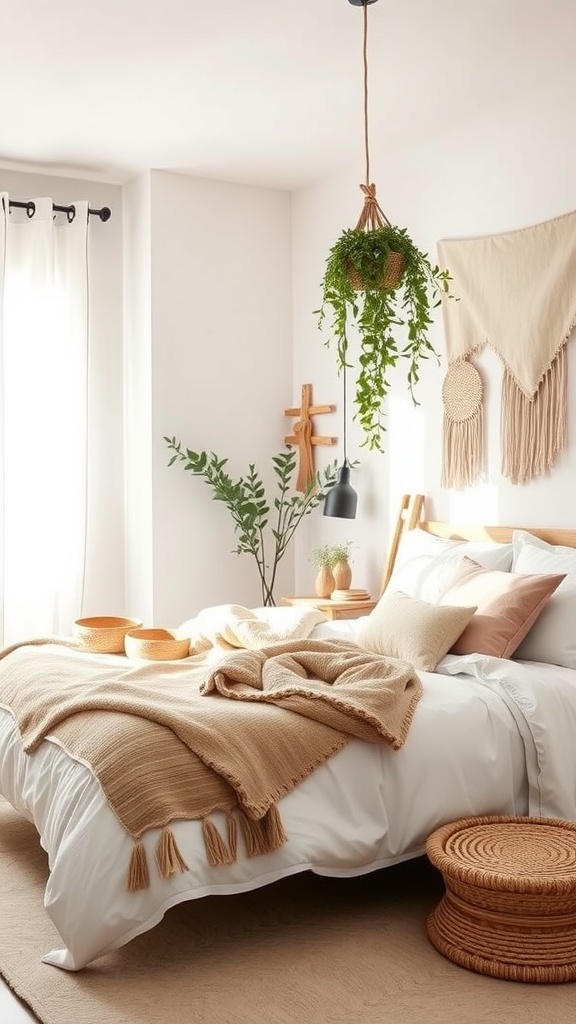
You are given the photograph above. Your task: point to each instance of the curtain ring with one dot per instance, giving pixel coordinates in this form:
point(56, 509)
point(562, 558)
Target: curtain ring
point(30, 208)
point(70, 213)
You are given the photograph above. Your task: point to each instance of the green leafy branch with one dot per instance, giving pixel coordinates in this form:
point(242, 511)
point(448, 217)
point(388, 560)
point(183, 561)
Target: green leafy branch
point(251, 510)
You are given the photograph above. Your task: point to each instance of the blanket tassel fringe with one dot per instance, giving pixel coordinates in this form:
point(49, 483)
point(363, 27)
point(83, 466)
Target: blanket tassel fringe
point(263, 835)
point(138, 877)
point(218, 851)
point(260, 835)
point(168, 857)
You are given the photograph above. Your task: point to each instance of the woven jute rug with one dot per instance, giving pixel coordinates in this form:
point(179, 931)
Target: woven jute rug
point(307, 949)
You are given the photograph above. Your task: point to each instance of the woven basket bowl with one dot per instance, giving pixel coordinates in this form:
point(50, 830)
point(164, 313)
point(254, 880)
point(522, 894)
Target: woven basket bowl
point(391, 273)
point(104, 634)
point(156, 645)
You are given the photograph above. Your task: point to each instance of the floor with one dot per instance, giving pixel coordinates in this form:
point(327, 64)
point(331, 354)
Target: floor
point(12, 1011)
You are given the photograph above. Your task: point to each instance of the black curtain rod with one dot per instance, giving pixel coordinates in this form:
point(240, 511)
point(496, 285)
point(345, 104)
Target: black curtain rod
point(30, 206)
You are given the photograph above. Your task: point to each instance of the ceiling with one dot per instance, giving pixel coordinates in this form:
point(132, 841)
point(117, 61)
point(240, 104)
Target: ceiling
point(266, 92)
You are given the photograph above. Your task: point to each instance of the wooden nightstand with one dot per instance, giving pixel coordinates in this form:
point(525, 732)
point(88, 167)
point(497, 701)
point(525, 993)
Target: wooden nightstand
point(335, 609)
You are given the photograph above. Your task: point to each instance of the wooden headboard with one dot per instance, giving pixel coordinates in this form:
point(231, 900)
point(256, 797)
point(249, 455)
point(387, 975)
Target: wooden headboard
point(410, 518)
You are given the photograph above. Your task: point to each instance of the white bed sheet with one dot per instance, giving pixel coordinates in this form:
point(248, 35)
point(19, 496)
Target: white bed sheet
point(477, 744)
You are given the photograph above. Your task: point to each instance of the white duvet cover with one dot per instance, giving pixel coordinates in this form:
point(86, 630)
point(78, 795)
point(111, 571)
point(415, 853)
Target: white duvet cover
point(488, 737)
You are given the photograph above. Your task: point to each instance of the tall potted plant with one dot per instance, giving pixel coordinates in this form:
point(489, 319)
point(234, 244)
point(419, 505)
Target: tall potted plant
point(260, 524)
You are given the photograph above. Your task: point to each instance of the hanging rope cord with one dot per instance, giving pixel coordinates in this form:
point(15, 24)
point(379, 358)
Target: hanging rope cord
point(372, 215)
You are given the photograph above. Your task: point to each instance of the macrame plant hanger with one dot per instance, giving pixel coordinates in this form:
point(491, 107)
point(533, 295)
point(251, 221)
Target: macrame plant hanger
point(372, 215)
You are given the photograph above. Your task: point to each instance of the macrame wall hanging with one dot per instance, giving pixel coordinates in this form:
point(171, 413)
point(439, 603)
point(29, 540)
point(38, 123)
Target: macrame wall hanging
point(517, 294)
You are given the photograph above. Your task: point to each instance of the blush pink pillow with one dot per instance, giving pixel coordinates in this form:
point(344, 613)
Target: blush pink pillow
point(508, 605)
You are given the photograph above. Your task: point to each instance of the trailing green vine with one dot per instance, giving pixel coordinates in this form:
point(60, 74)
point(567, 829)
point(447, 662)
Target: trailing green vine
point(378, 311)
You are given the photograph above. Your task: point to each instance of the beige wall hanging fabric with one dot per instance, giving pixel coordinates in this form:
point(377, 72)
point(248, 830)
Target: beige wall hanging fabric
point(517, 294)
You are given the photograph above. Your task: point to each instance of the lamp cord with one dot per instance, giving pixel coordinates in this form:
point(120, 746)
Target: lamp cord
point(344, 413)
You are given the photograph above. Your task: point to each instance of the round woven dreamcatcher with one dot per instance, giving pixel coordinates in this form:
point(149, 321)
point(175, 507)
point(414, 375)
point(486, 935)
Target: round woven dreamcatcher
point(462, 391)
point(463, 425)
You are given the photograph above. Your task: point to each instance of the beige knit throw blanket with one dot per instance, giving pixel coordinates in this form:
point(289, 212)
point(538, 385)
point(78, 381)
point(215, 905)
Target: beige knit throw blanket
point(178, 741)
point(517, 294)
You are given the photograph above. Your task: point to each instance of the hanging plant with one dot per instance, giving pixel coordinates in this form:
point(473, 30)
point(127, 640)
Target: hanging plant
point(379, 283)
point(366, 290)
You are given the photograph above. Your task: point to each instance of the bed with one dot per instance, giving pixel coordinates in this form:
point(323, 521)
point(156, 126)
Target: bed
point(491, 733)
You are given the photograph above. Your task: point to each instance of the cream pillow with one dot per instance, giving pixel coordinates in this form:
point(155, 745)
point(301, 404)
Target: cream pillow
point(413, 630)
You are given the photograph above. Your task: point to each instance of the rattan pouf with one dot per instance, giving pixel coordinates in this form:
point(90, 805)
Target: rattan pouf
point(509, 909)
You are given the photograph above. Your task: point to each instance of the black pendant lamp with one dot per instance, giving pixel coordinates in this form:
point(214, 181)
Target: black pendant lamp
point(341, 501)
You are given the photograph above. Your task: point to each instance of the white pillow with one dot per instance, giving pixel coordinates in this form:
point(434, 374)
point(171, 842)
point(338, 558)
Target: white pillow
point(553, 637)
point(425, 565)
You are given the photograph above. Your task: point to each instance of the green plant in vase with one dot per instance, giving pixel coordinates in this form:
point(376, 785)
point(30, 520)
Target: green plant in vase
point(333, 564)
point(260, 523)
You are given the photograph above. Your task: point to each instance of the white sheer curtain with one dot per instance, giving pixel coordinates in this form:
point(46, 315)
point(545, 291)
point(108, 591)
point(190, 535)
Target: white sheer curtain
point(43, 418)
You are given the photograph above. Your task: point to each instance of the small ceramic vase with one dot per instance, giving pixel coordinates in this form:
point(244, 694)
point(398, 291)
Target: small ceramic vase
point(325, 583)
point(342, 574)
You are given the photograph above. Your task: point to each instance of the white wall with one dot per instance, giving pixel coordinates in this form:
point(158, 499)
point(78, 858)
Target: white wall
point(137, 395)
point(219, 377)
point(514, 167)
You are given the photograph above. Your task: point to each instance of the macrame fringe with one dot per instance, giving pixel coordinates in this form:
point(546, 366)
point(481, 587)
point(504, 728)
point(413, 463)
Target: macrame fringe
point(138, 877)
point(534, 430)
point(168, 857)
point(462, 450)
